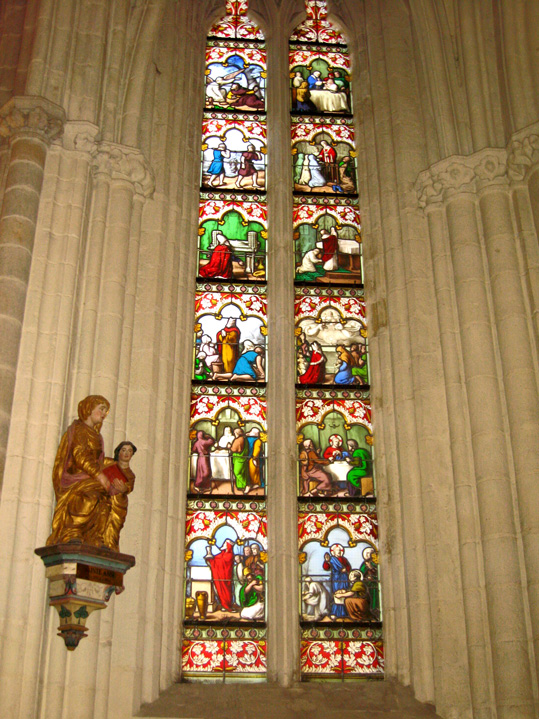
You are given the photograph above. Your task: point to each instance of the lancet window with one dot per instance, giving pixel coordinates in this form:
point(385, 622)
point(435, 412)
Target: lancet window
point(224, 630)
point(340, 609)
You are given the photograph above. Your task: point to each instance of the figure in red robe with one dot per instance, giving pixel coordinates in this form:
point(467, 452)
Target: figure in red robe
point(316, 370)
point(328, 159)
point(220, 264)
point(330, 243)
point(222, 566)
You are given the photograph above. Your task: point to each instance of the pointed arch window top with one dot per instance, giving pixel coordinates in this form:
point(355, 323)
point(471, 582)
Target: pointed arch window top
point(316, 27)
point(235, 24)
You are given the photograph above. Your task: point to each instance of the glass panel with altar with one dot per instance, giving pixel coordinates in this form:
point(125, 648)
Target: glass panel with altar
point(232, 238)
point(331, 337)
point(323, 155)
point(235, 76)
point(228, 441)
point(316, 27)
point(334, 436)
point(320, 81)
point(230, 333)
point(225, 562)
point(235, 24)
point(338, 554)
point(327, 236)
point(233, 152)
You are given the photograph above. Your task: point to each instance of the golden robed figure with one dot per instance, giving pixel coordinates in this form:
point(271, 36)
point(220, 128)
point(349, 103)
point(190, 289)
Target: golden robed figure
point(91, 489)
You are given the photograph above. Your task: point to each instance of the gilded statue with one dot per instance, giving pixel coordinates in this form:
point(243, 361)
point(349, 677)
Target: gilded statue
point(91, 489)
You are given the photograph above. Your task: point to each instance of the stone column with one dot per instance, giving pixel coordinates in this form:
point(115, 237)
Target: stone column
point(121, 174)
point(283, 565)
point(465, 495)
point(465, 184)
point(29, 124)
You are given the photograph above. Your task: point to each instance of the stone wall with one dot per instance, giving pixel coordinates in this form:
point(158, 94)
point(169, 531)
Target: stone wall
point(99, 183)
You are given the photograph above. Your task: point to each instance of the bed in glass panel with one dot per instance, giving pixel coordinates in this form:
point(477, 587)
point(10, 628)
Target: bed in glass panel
point(323, 156)
point(230, 333)
point(228, 442)
point(335, 443)
point(331, 337)
point(327, 241)
point(232, 239)
point(319, 81)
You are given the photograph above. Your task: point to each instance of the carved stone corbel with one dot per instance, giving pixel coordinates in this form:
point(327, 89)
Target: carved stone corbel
point(127, 163)
point(459, 173)
point(523, 152)
point(31, 116)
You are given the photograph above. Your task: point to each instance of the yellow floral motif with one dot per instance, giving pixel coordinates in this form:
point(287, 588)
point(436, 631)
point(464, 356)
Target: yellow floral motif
point(302, 557)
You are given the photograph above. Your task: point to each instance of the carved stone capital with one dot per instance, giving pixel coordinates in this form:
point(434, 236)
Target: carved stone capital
point(80, 137)
point(460, 173)
point(32, 116)
point(523, 152)
point(127, 163)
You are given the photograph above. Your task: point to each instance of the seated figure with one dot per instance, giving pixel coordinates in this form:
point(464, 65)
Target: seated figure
point(91, 507)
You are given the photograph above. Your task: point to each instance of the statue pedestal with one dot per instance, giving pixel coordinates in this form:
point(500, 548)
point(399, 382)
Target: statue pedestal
point(82, 579)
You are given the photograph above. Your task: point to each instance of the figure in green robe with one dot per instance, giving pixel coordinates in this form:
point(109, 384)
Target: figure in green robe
point(240, 461)
point(369, 570)
point(360, 459)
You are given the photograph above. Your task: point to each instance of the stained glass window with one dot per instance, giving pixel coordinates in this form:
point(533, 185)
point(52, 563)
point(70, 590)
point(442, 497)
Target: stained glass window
point(230, 333)
point(320, 81)
point(224, 627)
point(331, 337)
point(324, 156)
point(340, 606)
point(316, 27)
point(334, 437)
point(327, 240)
point(232, 238)
point(222, 463)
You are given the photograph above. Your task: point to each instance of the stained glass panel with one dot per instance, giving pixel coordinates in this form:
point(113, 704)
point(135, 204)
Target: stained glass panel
point(331, 337)
point(235, 77)
point(338, 554)
point(316, 27)
point(228, 441)
point(334, 436)
point(225, 561)
point(325, 654)
point(323, 156)
point(327, 241)
point(236, 24)
point(320, 81)
point(233, 152)
point(230, 333)
point(232, 238)
point(226, 653)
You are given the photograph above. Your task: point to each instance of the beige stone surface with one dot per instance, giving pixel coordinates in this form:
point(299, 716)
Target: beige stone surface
point(98, 230)
point(357, 700)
